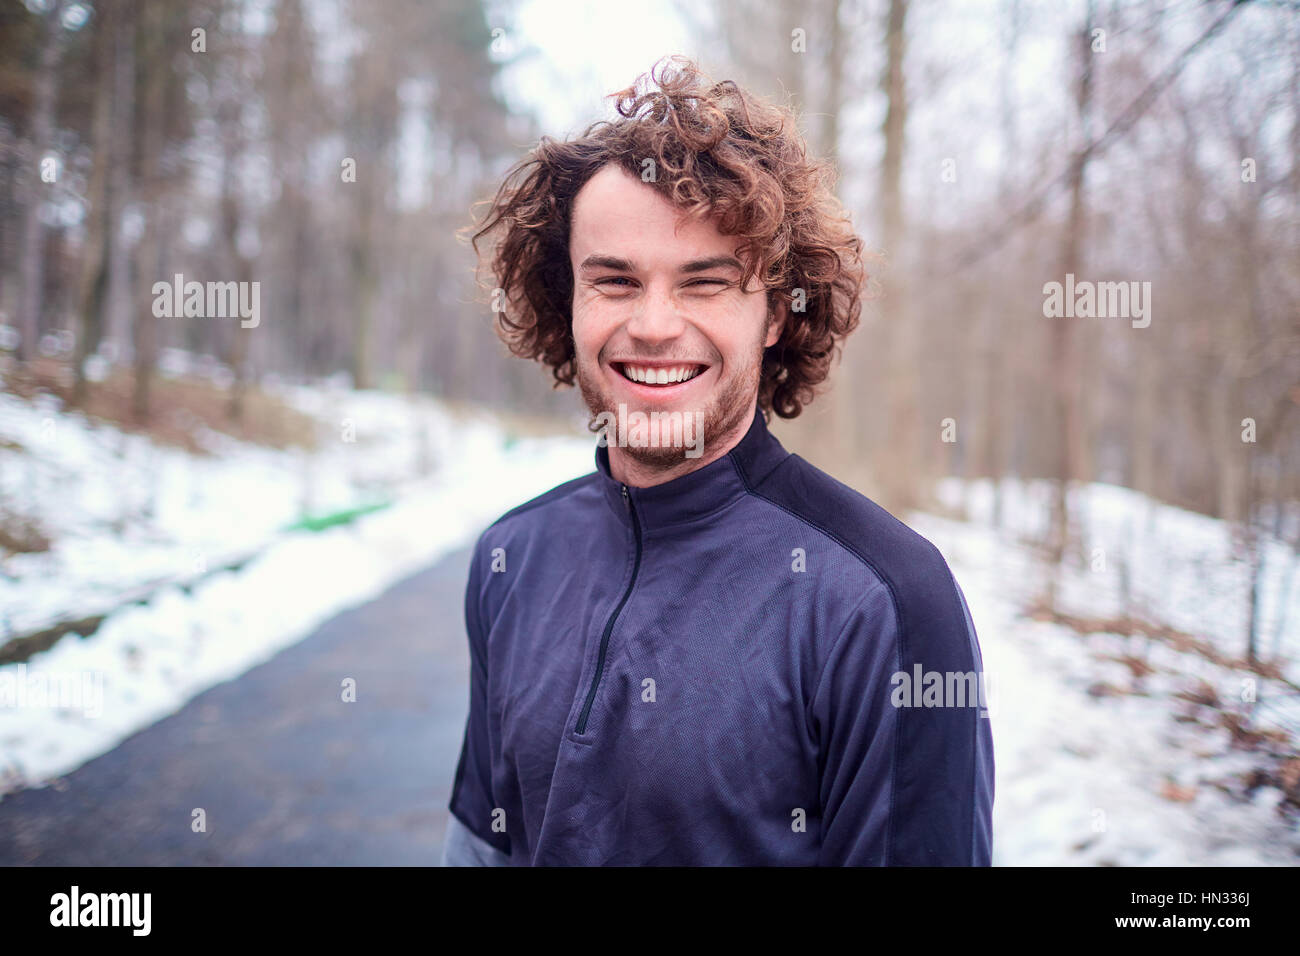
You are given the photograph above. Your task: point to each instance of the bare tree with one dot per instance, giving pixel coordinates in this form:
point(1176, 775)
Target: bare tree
point(32, 271)
point(93, 289)
point(1065, 358)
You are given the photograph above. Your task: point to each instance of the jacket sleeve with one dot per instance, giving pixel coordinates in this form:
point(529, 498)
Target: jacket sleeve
point(471, 793)
point(906, 771)
point(461, 847)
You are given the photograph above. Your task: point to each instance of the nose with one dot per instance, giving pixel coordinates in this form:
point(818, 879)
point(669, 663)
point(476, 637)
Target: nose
point(656, 317)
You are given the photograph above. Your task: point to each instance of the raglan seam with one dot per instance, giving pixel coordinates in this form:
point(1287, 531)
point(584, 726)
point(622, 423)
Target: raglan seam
point(903, 644)
point(898, 617)
point(879, 575)
point(875, 571)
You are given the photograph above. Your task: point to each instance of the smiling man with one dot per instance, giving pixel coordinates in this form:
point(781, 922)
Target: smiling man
point(664, 328)
point(692, 655)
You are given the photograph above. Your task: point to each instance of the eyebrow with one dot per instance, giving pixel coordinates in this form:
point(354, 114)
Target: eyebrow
point(597, 261)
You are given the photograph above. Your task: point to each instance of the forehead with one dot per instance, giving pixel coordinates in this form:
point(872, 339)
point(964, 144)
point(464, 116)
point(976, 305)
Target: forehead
point(616, 214)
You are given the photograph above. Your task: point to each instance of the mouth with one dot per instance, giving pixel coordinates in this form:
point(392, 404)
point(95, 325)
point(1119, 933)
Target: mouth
point(659, 375)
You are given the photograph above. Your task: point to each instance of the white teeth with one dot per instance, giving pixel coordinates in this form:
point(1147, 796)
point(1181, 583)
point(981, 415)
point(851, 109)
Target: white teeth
point(660, 376)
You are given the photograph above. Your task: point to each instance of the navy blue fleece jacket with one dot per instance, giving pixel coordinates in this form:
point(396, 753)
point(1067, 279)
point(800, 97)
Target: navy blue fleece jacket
point(725, 668)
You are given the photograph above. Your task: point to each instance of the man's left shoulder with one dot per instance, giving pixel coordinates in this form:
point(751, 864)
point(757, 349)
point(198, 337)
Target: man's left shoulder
point(895, 551)
point(923, 589)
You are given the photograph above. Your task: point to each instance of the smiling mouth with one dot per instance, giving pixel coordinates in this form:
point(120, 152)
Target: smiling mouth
point(659, 375)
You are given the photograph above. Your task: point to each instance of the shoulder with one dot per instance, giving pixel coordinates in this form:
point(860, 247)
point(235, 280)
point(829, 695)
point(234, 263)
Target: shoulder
point(541, 510)
point(557, 496)
point(894, 552)
point(530, 523)
point(926, 600)
point(528, 528)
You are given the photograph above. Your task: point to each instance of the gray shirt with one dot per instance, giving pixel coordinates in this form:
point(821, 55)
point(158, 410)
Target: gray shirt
point(461, 847)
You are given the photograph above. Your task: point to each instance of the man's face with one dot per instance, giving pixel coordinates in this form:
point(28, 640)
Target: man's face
point(660, 322)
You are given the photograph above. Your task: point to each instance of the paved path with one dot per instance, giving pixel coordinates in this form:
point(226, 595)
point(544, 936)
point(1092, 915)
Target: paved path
point(286, 771)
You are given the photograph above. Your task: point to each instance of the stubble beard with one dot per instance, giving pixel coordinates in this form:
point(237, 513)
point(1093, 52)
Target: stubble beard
point(729, 408)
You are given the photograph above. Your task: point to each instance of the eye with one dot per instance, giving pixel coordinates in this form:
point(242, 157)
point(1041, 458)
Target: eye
point(713, 282)
point(608, 280)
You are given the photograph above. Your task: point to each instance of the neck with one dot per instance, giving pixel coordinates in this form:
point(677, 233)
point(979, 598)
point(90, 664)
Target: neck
point(640, 474)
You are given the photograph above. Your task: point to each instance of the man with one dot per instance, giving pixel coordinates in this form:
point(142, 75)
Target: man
point(696, 654)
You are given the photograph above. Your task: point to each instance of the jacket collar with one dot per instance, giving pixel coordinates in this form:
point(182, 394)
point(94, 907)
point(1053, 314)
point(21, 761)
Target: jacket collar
point(699, 492)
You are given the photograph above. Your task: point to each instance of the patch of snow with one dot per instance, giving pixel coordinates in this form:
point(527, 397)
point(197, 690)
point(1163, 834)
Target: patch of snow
point(1103, 780)
point(447, 478)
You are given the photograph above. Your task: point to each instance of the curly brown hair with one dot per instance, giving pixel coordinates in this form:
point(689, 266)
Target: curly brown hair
point(717, 151)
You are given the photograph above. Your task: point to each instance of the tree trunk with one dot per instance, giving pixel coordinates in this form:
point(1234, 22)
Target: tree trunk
point(900, 476)
point(150, 261)
point(31, 268)
point(94, 271)
point(118, 315)
point(1065, 350)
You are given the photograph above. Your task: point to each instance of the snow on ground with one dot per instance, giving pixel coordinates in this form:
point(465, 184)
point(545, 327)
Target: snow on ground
point(1184, 569)
point(123, 511)
point(1083, 779)
point(448, 480)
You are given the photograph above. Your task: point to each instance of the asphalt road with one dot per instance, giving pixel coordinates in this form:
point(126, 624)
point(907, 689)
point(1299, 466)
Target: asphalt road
point(286, 772)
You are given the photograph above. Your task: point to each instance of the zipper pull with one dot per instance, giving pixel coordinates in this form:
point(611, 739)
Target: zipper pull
point(626, 500)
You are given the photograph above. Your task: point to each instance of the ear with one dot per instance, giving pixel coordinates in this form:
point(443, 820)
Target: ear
point(776, 323)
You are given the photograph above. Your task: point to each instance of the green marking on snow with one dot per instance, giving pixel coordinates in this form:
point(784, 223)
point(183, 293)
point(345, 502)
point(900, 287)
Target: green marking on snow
point(333, 519)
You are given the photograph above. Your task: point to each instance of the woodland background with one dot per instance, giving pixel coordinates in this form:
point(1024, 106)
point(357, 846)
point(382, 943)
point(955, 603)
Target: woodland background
point(984, 149)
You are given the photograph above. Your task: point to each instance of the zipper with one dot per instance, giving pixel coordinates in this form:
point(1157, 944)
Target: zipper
point(609, 625)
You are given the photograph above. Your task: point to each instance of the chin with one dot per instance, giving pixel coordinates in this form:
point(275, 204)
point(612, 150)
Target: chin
point(660, 457)
point(713, 403)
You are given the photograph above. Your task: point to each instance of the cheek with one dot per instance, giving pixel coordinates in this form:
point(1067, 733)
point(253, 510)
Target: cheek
point(744, 333)
point(586, 335)
point(592, 326)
